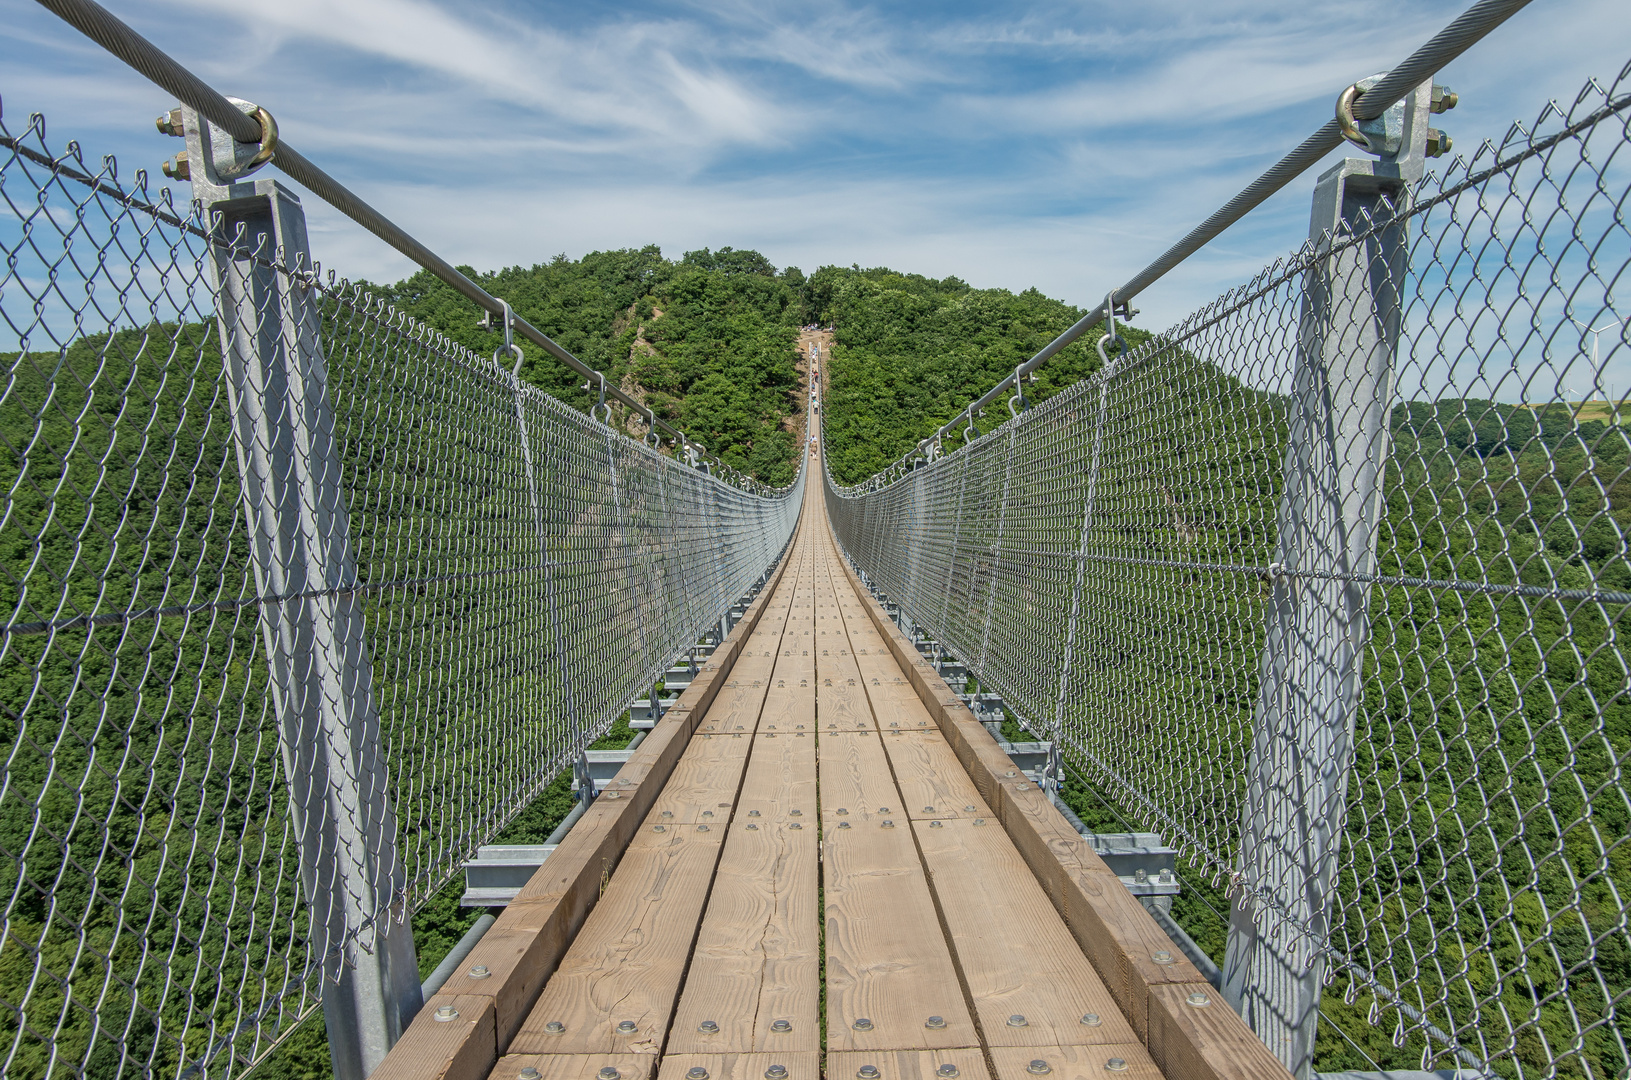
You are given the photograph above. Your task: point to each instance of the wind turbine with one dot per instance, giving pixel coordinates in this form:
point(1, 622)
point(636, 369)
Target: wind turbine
point(1596, 333)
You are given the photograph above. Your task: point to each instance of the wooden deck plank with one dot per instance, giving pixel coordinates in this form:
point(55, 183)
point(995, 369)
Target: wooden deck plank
point(1074, 1063)
point(805, 1065)
point(888, 967)
point(754, 983)
point(702, 788)
point(781, 780)
point(627, 962)
point(575, 1066)
point(855, 781)
point(931, 780)
point(1019, 960)
point(965, 1064)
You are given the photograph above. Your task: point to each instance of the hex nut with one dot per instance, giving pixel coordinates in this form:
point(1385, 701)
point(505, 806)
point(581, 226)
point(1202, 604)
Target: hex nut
point(862, 1024)
point(1038, 1067)
point(843, 824)
point(936, 1022)
point(1091, 1019)
point(708, 1027)
point(776, 1072)
point(867, 1072)
point(968, 809)
point(1198, 1000)
point(626, 1027)
point(529, 1073)
point(936, 825)
point(1116, 1064)
point(696, 1072)
point(948, 1070)
point(781, 1027)
point(1017, 1020)
point(555, 1027)
point(446, 1014)
point(1162, 957)
point(481, 971)
point(610, 1073)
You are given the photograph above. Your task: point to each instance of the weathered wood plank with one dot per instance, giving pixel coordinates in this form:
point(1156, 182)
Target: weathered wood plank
point(625, 965)
point(888, 968)
point(1194, 1041)
point(781, 780)
point(755, 977)
point(1029, 981)
point(576, 1066)
point(805, 1065)
point(931, 780)
point(964, 1064)
point(855, 781)
point(1074, 1063)
point(459, 1049)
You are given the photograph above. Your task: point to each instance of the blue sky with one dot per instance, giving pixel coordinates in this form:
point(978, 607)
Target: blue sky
point(1060, 145)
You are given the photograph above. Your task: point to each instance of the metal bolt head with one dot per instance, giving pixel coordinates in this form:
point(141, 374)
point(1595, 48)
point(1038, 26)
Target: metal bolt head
point(753, 813)
point(776, 1072)
point(707, 813)
point(795, 825)
point(610, 1073)
point(1198, 1000)
point(1438, 142)
point(1140, 876)
point(480, 971)
point(795, 813)
point(708, 1027)
point(1038, 1067)
point(1091, 1019)
point(177, 168)
point(696, 1072)
point(948, 1070)
point(842, 811)
point(1017, 1020)
point(843, 824)
point(781, 1026)
point(928, 809)
point(968, 809)
point(1162, 957)
point(555, 1027)
point(626, 1027)
point(888, 825)
point(529, 1073)
point(867, 1072)
point(659, 828)
point(752, 826)
point(936, 825)
point(1010, 772)
point(1444, 99)
point(170, 123)
point(883, 809)
point(862, 1024)
point(446, 1014)
point(668, 813)
point(702, 828)
point(1116, 1064)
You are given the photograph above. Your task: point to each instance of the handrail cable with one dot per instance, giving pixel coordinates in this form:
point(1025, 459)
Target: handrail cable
point(1467, 30)
point(107, 30)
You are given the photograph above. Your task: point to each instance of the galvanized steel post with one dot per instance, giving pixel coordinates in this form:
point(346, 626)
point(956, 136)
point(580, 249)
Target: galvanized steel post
point(311, 615)
point(1317, 620)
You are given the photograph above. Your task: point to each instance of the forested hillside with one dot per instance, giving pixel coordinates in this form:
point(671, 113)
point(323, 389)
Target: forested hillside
point(706, 341)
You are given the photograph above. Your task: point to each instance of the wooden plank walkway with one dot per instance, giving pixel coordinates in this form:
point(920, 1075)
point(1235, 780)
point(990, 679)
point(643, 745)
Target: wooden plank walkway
point(820, 866)
point(820, 886)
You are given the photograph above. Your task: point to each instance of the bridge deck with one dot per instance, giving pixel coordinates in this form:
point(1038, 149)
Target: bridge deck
point(818, 827)
point(820, 864)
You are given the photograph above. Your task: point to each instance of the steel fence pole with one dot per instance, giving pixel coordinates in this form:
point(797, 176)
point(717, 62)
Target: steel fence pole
point(1317, 622)
point(312, 620)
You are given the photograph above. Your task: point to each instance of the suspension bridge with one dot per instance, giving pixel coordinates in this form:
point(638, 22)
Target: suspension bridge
point(1316, 593)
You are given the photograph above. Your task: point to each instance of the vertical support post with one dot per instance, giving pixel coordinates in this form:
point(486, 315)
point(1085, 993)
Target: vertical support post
point(1317, 620)
point(317, 650)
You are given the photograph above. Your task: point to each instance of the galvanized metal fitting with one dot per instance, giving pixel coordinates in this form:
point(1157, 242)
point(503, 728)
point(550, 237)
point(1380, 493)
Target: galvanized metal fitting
point(1161, 957)
point(1017, 1020)
point(776, 1072)
point(170, 123)
point(781, 1027)
point(1198, 1000)
point(935, 1022)
point(481, 971)
point(610, 1072)
point(177, 168)
point(796, 825)
point(696, 1072)
point(627, 1027)
point(445, 1014)
point(948, 1071)
point(936, 824)
point(555, 1027)
point(867, 1072)
point(1038, 1067)
point(1444, 99)
point(1116, 1065)
point(1091, 1019)
point(529, 1073)
point(1438, 143)
point(708, 1027)
point(862, 1024)
point(843, 824)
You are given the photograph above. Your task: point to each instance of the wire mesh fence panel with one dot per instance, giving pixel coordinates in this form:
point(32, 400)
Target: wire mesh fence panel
point(522, 573)
point(1105, 561)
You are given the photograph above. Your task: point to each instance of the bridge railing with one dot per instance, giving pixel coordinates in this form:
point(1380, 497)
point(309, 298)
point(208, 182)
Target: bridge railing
point(302, 602)
point(1327, 585)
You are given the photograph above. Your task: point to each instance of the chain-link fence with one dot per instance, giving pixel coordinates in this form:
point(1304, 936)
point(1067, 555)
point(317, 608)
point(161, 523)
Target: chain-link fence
point(1114, 562)
point(513, 575)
